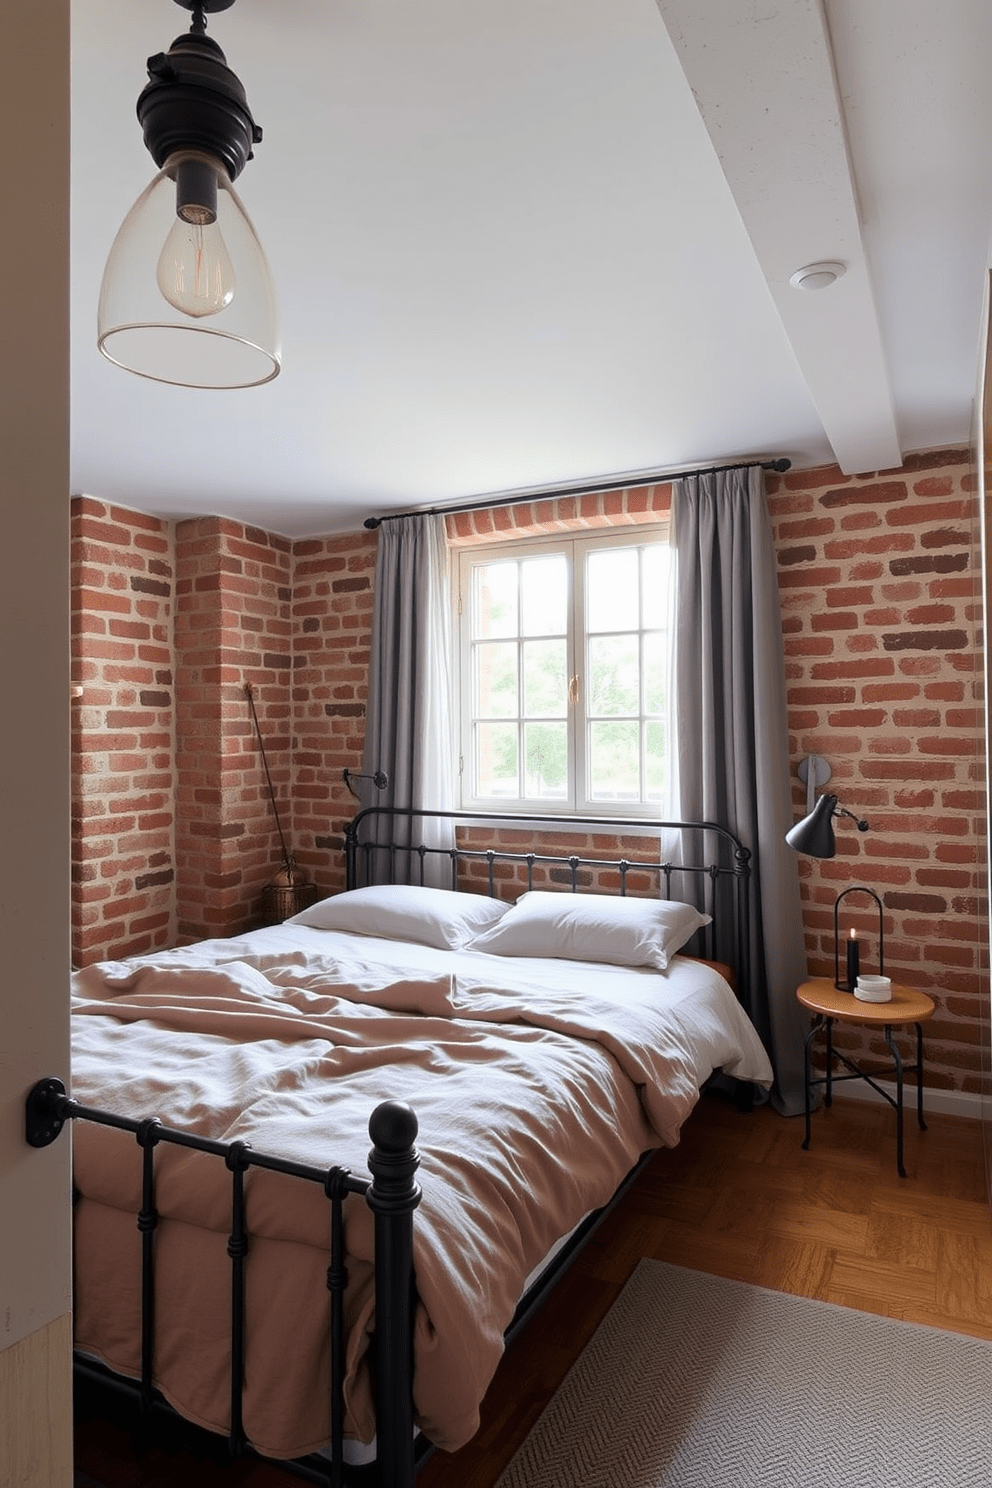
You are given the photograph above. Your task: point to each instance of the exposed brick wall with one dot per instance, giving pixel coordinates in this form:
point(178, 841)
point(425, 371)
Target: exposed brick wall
point(879, 578)
point(174, 837)
point(569, 514)
point(122, 789)
point(333, 581)
point(233, 627)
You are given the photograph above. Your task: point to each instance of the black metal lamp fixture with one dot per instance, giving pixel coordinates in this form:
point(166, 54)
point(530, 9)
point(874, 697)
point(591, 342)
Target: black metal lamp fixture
point(379, 779)
point(814, 835)
point(187, 295)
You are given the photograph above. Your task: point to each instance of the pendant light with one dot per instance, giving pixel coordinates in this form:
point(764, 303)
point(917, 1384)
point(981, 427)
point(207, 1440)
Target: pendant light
point(187, 294)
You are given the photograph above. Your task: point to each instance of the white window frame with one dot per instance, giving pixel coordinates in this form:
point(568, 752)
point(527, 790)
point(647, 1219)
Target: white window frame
point(576, 544)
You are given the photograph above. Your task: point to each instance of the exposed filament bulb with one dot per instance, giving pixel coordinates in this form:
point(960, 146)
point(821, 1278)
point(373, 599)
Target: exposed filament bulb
point(194, 271)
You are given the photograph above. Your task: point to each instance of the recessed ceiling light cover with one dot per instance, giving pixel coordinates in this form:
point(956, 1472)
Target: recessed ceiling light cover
point(817, 275)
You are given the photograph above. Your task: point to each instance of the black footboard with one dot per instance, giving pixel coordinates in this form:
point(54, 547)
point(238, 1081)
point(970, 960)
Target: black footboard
point(392, 1193)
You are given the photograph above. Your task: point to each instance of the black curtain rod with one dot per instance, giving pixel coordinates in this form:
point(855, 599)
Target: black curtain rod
point(555, 493)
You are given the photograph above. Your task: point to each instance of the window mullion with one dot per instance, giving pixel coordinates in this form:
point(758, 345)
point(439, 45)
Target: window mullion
point(578, 666)
point(521, 727)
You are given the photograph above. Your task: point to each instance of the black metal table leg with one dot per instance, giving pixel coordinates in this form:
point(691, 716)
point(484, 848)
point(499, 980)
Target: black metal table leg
point(807, 1085)
point(919, 1076)
point(897, 1060)
point(828, 1099)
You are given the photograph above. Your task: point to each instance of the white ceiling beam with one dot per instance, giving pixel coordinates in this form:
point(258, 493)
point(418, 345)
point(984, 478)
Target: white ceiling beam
point(762, 75)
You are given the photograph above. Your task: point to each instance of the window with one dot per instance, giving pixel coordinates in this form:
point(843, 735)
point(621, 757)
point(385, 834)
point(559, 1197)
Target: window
point(564, 674)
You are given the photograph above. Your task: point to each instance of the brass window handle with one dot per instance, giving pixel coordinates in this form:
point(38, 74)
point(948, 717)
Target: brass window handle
point(573, 689)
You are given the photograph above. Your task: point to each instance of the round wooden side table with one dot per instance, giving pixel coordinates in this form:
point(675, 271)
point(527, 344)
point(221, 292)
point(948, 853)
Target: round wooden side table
point(829, 1005)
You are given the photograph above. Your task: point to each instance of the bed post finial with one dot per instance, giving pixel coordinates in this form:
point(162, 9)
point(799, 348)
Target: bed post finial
point(393, 1197)
point(393, 1125)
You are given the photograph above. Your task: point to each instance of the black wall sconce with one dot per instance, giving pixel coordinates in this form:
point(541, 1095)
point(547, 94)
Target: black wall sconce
point(379, 779)
point(814, 836)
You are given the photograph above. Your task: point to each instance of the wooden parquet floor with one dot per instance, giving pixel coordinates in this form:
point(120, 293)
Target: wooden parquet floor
point(739, 1198)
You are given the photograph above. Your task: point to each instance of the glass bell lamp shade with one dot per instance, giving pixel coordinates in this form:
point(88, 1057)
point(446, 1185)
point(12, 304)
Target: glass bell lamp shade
point(187, 294)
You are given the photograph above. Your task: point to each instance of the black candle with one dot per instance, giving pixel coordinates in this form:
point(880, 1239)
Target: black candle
point(853, 962)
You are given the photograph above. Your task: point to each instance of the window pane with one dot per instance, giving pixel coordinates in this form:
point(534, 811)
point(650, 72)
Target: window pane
point(655, 672)
point(533, 615)
point(496, 680)
point(496, 759)
point(545, 679)
point(494, 599)
point(544, 595)
point(614, 679)
point(612, 590)
point(546, 749)
point(615, 761)
point(655, 762)
point(655, 565)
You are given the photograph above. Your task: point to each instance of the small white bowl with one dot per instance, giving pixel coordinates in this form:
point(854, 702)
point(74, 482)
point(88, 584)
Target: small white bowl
point(873, 989)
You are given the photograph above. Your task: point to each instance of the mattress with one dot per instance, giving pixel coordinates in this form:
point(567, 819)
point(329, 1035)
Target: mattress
point(537, 1083)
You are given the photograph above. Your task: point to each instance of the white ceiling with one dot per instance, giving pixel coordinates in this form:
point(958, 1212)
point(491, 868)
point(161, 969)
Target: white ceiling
point(535, 242)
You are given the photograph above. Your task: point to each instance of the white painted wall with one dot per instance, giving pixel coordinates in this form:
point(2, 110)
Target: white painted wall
point(34, 715)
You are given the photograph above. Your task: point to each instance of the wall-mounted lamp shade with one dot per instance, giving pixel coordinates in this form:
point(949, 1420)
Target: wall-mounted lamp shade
point(184, 299)
point(814, 835)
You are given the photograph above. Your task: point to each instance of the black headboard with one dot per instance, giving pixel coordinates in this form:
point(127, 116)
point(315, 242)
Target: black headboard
point(393, 844)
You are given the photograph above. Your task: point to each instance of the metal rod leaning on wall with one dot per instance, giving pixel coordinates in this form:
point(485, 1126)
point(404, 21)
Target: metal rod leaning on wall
point(286, 855)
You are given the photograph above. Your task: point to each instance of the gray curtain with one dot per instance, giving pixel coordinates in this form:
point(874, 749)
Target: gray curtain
point(409, 715)
point(732, 753)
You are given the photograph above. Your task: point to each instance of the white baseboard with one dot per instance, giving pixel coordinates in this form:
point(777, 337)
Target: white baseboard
point(947, 1102)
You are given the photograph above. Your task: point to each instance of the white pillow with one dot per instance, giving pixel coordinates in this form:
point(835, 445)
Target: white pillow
point(436, 917)
point(593, 927)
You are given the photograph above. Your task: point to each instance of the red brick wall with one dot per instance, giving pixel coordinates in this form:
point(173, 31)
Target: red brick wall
point(332, 629)
point(233, 627)
point(122, 789)
point(174, 836)
point(879, 578)
point(570, 514)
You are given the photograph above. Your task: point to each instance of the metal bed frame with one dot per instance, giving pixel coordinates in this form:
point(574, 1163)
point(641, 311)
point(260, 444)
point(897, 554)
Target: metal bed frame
point(392, 1194)
point(369, 851)
point(392, 1191)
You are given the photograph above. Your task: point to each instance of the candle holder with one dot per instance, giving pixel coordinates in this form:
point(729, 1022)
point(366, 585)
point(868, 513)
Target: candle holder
point(853, 954)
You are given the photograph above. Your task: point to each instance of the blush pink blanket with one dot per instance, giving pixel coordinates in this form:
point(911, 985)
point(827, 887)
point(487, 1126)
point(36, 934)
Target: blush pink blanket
point(536, 1085)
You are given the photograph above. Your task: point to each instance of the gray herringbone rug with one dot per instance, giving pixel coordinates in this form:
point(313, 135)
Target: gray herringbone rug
point(691, 1381)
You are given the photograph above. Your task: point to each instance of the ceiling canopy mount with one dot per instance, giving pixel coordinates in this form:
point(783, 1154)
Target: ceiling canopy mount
point(193, 101)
